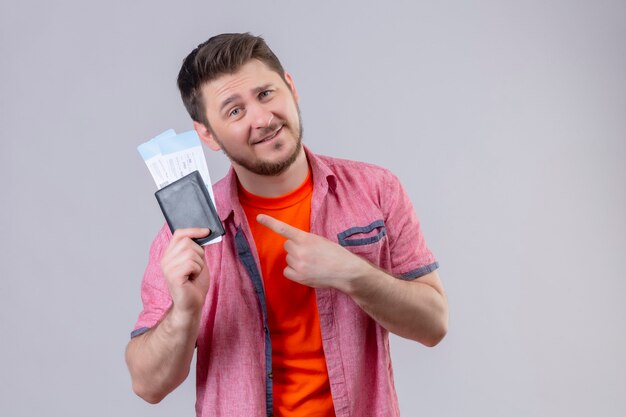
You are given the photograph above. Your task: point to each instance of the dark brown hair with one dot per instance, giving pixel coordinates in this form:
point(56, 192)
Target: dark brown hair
point(220, 55)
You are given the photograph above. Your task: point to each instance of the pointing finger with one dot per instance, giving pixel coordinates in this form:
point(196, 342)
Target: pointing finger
point(279, 227)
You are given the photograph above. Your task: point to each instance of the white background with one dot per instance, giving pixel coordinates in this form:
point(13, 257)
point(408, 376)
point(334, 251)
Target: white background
point(505, 121)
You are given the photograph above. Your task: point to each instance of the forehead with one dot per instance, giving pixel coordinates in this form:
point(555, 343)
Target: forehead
point(241, 83)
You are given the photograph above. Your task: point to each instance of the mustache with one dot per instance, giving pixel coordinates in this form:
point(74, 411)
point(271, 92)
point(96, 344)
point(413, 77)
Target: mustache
point(267, 131)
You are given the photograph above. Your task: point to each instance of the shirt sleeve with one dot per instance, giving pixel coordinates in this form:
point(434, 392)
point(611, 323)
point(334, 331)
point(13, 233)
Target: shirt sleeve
point(154, 293)
point(410, 256)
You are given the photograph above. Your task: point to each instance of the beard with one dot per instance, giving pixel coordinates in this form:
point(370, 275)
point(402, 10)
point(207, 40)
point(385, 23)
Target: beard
point(267, 168)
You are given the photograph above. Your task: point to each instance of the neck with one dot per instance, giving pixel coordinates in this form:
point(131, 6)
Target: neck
point(274, 186)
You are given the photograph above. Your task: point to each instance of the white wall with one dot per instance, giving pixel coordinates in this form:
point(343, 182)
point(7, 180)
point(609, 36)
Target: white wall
point(505, 121)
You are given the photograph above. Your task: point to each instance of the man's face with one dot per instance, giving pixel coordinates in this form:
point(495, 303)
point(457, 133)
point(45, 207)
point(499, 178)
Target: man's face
point(254, 119)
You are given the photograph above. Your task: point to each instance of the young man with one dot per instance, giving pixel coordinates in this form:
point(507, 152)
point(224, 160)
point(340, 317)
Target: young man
point(322, 257)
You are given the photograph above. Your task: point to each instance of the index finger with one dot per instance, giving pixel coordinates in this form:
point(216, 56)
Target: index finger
point(282, 228)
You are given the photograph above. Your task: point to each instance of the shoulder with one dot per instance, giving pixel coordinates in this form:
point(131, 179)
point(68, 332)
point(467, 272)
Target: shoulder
point(350, 170)
point(222, 186)
point(351, 167)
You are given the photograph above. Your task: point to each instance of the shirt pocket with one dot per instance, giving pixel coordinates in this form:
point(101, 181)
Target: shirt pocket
point(365, 241)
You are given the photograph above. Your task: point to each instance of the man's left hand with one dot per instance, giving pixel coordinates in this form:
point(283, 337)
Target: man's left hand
point(315, 261)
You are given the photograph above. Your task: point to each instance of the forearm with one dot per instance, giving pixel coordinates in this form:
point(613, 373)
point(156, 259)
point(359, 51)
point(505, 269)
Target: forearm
point(159, 360)
point(414, 309)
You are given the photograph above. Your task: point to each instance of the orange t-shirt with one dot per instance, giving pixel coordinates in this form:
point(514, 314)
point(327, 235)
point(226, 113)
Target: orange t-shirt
point(300, 377)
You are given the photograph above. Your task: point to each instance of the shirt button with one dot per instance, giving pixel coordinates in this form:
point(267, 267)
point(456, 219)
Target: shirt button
point(270, 375)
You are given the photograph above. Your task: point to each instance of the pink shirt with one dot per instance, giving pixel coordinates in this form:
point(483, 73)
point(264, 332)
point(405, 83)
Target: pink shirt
point(360, 206)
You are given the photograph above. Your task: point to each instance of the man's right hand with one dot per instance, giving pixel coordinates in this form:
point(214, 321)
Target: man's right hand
point(159, 359)
point(186, 273)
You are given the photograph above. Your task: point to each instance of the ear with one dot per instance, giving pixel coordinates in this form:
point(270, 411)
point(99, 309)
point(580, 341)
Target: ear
point(206, 136)
point(292, 86)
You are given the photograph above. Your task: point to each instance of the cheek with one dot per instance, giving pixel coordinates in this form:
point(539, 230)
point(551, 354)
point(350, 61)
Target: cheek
point(235, 132)
point(240, 132)
point(294, 111)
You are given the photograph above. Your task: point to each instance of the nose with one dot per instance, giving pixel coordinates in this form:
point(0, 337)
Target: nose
point(261, 117)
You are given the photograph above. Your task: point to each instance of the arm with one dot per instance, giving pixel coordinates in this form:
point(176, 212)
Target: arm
point(159, 359)
point(416, 310)
point(413, 309)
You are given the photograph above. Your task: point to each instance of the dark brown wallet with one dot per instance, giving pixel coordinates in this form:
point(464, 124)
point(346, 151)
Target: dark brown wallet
point(186, 203)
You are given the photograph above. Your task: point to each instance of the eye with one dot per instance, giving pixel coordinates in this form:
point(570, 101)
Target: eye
point(265, 93)
point(234, 112)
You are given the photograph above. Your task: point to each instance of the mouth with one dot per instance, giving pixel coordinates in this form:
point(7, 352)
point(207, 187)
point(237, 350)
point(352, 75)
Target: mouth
point(268, 137)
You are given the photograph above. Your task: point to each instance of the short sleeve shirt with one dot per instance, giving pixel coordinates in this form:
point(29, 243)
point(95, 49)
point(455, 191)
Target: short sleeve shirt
point(360, 206)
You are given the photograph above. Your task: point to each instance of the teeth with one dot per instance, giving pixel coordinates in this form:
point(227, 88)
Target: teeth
point(269, 137)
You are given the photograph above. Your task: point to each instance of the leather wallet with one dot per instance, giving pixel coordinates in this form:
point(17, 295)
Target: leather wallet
point(186, 203)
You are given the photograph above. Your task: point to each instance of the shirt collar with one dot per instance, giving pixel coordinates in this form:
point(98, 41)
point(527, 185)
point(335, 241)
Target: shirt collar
point(226, 189)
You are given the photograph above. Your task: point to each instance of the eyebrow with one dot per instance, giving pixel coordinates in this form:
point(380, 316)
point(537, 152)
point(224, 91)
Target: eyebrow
point(229, 100)
point(234, 97)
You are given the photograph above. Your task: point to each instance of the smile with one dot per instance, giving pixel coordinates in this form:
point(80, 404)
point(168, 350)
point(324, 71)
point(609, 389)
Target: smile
point(270, 137)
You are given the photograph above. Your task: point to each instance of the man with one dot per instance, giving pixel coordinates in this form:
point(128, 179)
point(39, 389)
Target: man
point(322, 257)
